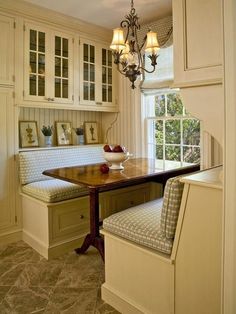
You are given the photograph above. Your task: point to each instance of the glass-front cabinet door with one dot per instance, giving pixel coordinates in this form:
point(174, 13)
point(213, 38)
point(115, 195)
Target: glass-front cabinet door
point(97, 75)
point(48, 66)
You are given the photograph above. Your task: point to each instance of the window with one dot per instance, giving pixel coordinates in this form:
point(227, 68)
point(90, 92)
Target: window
point(173, 135)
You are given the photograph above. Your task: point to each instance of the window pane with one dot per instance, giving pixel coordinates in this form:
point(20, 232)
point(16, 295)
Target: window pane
point(32, 62)
point(41, 64)
point(160, 105)
point(41, 85)
point(86, 91)
point(65, 47)
point(41, 42)
point(65, 88)
point(191, 154)
point(85, 71)
point(172, 153)
point(104, 93)
point(110, 93)
point(104, 75)
point(109, 58)
point(109, 76)
point(57, 46)
point(33, 40)
point(159, 132)
point(92, 91)
point(92, 73)
point(174, 105)
point(172, 135)
point(57, 87)
point(65, 68)
point(191, 132)
point(104, 57)
point(159, 152)
point(85, 52)
point(32, 85)
point(92, 54)
point(57, 66)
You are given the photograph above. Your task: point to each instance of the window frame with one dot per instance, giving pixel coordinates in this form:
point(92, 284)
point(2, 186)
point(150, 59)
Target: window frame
point(150, 128)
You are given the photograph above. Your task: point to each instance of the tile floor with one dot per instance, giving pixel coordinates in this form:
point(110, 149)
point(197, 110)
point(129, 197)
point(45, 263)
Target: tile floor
point(69, 284)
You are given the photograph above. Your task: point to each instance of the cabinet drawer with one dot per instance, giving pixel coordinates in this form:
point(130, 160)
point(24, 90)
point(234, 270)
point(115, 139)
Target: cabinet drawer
point(69, 219)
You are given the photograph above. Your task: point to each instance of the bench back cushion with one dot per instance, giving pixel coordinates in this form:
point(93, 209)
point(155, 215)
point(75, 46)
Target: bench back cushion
point(171, 205)
point(33, 163)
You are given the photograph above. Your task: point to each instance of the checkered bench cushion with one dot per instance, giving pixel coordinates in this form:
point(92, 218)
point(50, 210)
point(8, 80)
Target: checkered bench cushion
point(33, 163)
point(54, 190)
point(171, 205)
point(140, 224)
point(152, 224)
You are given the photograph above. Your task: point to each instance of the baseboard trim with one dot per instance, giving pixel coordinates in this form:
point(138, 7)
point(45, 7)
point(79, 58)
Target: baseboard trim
point(55, 250)
point(120, 303)
point(13, 236)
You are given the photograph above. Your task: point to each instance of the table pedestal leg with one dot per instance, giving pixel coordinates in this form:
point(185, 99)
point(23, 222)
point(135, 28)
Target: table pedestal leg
point(93, 238)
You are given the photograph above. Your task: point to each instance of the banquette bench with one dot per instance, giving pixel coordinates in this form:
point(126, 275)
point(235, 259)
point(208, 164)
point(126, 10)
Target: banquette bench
point(56, 213)
point(164, 256)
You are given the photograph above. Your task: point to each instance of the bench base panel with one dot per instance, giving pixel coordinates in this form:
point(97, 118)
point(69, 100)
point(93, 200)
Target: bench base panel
point(54, 228)
point(146, 286)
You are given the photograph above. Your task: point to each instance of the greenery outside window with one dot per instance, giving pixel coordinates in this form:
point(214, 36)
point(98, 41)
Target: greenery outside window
point(173, 134)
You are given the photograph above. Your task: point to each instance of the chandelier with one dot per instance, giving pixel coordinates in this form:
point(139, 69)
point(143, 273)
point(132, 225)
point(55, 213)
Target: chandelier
point(128, 52)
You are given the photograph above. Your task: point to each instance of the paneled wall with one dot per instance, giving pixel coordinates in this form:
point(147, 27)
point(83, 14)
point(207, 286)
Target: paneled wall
point(50, 116)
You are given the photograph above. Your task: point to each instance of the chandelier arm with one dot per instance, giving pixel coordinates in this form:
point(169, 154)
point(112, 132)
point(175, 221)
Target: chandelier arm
point(119, 70)
point(154, 67)
point(138, 50)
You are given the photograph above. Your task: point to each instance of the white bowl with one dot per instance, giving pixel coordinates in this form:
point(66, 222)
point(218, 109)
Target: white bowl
point(115, 159)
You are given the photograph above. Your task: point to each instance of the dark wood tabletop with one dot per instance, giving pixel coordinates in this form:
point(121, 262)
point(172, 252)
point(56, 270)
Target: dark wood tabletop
point(136, 171)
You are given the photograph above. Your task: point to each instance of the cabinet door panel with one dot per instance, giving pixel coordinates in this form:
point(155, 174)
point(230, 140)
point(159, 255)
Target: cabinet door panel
point(7, 179)
point(36, 63)
point(7, 50)
point(197, 28)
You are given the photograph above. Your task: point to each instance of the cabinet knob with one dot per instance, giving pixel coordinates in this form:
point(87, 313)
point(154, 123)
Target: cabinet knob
point(81, 216)
point(131, 202)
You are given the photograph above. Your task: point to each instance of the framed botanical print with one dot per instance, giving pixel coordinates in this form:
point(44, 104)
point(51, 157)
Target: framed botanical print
point(28, 134)
point(64, 133)
point(91, 132)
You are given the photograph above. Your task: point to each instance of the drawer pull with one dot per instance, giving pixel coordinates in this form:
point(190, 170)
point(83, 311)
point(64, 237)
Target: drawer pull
point(81, 216)
point(131, 202)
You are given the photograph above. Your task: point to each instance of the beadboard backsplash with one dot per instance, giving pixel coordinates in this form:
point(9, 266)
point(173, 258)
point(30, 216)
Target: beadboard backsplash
point(50, 116)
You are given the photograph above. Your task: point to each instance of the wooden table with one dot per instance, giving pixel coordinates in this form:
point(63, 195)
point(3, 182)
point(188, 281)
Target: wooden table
point(136, 171)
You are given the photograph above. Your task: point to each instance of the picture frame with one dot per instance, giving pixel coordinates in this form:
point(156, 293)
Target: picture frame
point(28, 134)
point(91, 132)
point(64, 133)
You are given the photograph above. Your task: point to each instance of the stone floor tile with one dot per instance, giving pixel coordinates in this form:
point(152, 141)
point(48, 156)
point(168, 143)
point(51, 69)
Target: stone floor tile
point(9, 272)
point(3, 291)
point(39, 274)
point(18, 254)
point(25, 300)
point(72, 301)
point(73, 276)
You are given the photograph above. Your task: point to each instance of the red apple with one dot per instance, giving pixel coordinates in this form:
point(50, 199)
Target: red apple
point(104, 168)
point(117, 149)
point(107, 148)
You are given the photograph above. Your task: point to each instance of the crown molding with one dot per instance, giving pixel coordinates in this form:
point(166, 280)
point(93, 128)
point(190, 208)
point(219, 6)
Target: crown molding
point(28, 10)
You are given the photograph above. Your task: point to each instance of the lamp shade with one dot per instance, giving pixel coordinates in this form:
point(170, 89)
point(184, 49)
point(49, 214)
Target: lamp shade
point(152, 45)
point(118, 42)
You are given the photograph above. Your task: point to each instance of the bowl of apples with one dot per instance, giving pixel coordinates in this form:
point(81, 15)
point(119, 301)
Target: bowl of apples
point(115, 155)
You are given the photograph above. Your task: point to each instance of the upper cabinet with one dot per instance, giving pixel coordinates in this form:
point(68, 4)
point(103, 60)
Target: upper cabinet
point(7, 26)
point(97, 76)
point(48, 65)
point(198, 56)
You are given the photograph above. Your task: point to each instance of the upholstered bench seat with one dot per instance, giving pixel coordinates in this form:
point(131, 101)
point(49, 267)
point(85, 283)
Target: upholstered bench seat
point(141, 224)
point(151, 224)
point(54, 190)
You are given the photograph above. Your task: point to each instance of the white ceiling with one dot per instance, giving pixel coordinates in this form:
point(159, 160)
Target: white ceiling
point(108, 13)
